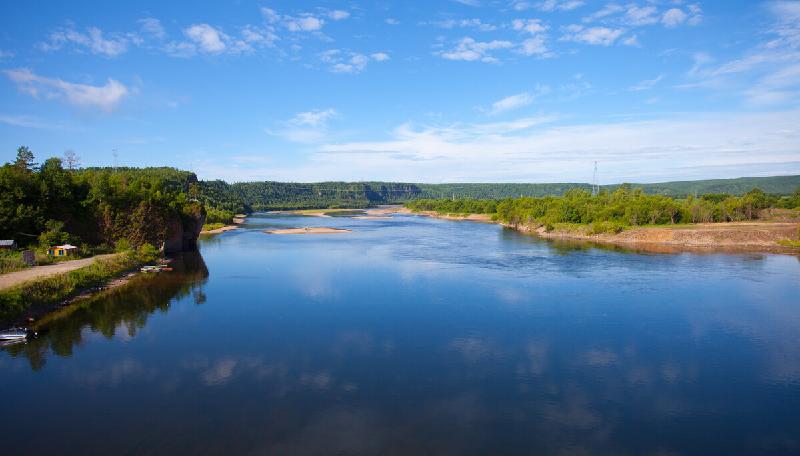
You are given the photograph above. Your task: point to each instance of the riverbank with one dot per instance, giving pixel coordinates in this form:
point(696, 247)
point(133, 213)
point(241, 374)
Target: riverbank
point(763, 236)
point(12, 279)
point(216, 228)
point(727, 237)
point(34, 296)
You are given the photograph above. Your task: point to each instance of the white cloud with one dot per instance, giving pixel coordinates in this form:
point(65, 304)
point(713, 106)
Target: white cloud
point(644, 15)
point(673, 17)
point(632, 40)
point(552, 5)
point(602, 36)
point(207, 38)
point(338, 15)
point(609, 9)
point(470, 50)
point(304, 24)
point(688, 146)
point(315, 118)
point(511, 102)
point(343, 61)
point(535, 46)
point(93, 40)
point(105, 97)
point(152, 27)
point(537, 43)
point(306, 127)
point(647, 84)
point(270, 15)
point(392, 21)
point(6, 54)
point(464, 23)
point(532, 26)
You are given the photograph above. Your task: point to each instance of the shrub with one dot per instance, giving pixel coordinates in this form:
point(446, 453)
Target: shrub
point(606, 227)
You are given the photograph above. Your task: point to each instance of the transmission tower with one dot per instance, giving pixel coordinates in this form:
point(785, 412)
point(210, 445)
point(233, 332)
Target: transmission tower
point(595, 187)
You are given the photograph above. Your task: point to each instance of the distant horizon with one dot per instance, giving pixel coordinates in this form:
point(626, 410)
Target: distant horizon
point(441, 91)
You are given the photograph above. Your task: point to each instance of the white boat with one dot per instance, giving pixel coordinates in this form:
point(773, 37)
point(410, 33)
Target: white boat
point(13, 334)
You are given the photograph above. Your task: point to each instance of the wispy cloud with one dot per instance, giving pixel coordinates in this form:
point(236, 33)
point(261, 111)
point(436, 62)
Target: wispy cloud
point(105, 97)
point(694, 146)
point(517, 101)
point(647, 84)
point(469, 49)
point(305, 127)
point(345, 61)
point(602, 36)
point(462, 23)
point(511, 102)
point(93, 40)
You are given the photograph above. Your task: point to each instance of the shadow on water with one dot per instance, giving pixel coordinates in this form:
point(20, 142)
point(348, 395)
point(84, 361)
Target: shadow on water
point(124, 308)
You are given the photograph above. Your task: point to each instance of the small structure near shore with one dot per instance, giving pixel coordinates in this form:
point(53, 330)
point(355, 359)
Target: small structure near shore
point(62, 250)
point(8, 244)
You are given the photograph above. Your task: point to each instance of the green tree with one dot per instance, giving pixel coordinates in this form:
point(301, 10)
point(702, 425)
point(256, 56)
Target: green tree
point(24, 159)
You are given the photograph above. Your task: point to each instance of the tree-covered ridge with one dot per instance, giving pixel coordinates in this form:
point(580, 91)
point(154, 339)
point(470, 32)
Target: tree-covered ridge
point(49, 204)
point(626, 206)
point(250, 196)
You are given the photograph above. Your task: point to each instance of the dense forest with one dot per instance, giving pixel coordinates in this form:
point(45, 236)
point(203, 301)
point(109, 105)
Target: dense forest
point(258, 196)
point(612, 211)
point(47, 204)
point(59, 202)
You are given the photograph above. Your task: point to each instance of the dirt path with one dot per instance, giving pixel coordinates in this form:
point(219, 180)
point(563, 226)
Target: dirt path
point(15, 278)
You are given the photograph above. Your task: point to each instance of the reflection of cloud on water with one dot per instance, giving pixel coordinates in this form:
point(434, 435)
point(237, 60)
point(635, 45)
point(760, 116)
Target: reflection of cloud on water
point(340, 430)
point(319, 380)
point(219, 372)
point(600, 357)
point(114, 373)
point(473, 349)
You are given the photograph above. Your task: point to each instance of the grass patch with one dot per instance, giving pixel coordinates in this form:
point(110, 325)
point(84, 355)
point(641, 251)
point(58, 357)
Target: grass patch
point(213, 226)
point(14, 301)
point(789, 243)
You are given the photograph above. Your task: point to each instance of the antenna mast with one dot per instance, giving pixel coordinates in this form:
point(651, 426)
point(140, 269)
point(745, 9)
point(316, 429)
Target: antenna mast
point(595, 187)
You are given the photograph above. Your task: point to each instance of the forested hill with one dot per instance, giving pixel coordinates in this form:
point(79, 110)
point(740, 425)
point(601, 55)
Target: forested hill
point(248, 196)
point(49, 204)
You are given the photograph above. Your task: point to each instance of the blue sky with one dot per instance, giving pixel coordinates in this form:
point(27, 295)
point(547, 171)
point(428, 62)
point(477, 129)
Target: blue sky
point(433, 91)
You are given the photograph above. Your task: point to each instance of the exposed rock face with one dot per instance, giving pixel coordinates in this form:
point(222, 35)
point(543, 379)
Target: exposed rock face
point(182, 231)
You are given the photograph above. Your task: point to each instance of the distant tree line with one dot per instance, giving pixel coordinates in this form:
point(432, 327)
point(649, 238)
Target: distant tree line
point(259, 196)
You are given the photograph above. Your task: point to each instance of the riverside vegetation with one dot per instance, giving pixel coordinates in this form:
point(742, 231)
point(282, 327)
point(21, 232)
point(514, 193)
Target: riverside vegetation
point(614, 211)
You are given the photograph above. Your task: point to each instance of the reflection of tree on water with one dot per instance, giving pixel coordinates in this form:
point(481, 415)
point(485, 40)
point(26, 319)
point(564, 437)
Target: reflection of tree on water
point(128, 305)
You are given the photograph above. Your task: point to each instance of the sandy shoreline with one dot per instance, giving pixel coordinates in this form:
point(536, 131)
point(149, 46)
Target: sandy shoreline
point(308, 230)
point(756, 236)
point(221, 230)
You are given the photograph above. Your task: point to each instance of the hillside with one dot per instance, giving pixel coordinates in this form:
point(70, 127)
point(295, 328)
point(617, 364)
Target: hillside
point(248, 196)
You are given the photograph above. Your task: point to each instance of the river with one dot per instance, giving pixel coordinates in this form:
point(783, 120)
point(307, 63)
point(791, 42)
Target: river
point(415, 335)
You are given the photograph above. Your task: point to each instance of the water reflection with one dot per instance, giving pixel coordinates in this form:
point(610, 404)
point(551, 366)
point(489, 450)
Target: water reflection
point(420, 336)
point(118, 312)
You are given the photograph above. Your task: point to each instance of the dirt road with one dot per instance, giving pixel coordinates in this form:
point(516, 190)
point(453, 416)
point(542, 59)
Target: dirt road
point(15, 278)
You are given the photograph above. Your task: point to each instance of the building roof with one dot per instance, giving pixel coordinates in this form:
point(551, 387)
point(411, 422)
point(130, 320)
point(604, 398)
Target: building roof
point(65, 247)
point(6, 242)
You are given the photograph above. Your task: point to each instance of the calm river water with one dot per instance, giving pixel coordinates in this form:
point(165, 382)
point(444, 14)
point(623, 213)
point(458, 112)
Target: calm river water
point(418, 336)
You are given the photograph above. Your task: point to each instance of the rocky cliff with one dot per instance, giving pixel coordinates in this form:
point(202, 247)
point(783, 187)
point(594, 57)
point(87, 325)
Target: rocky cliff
point(183, 230)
